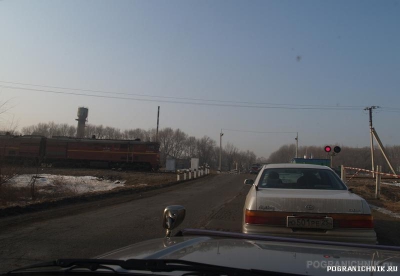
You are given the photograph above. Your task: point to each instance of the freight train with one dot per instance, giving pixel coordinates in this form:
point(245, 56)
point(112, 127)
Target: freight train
point(80, 152)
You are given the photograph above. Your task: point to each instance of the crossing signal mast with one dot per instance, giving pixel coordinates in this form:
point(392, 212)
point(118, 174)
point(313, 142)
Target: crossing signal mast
point(336, 150)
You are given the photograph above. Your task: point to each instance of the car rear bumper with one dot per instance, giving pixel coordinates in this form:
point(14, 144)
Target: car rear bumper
point(367, 236)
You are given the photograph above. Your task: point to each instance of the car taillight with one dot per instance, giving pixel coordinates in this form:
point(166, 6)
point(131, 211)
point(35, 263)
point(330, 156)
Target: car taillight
point(262, 217)
point(279, 219)
point(354, 221)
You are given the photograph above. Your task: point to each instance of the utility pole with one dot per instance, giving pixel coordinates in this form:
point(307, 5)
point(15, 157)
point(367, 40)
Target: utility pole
point(158, 120)
point(220, 150)
point(378, 140)
point(372, 136)
point(297, 144)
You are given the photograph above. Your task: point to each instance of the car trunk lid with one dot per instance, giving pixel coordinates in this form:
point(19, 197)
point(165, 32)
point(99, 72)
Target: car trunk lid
point(309, 201)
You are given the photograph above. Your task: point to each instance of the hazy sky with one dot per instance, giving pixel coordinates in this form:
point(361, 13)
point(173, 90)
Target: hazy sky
point(269, 66)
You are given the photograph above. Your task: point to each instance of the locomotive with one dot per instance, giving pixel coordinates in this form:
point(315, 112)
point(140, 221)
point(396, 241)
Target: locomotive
point(80, 152)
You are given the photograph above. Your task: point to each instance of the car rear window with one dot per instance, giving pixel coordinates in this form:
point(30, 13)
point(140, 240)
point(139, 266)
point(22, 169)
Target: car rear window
point(299, 178)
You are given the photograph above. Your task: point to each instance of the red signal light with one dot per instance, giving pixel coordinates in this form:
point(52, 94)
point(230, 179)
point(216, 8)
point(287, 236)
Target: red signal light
point(328, 149)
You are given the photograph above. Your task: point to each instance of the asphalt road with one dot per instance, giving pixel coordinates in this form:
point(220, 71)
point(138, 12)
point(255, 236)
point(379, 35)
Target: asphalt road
point(91, 229)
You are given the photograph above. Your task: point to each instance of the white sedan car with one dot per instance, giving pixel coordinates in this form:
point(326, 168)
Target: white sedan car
point(306, 201)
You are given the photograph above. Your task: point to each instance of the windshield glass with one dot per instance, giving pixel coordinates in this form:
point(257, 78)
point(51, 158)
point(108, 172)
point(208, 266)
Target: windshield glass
point(299, 178)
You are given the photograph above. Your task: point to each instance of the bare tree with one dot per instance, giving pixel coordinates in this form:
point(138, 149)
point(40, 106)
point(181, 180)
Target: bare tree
point(71, 131)
point(11, 127)
point(165, 137)
point(97, 131)
point(112, 133)
point(283, 155)
point(190, 147)
point(132, 134)
point(179, 139)
point(206, 150)
point(151, 135)
point(246, 159)
point(231, 155)
point(27, 130)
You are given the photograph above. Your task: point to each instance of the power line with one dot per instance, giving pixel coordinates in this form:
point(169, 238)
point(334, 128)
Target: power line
point(168, 97)
point(178, 102)
point(183, 100)
point(255, 131)
point(286, 106)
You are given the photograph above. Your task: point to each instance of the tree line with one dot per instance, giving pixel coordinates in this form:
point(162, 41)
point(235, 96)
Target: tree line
point(173, 143)
point(177, 144)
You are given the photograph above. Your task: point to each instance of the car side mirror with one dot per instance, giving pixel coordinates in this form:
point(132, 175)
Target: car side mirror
point(173, 216)
point(248, 181)
point(351, 190)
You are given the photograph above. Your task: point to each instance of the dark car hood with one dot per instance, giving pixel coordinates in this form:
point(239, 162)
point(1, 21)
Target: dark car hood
point(274, 255)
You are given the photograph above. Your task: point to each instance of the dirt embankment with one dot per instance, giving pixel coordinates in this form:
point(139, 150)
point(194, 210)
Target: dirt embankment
point(389, 197)
point(387, 227)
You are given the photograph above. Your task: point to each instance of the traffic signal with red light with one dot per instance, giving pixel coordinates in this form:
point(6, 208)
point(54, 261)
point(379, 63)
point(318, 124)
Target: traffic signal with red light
point(336, 149)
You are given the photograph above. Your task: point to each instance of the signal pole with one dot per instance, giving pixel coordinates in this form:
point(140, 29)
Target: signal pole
point(297, 144)
point(372, 136)
point(158, 120)
point(220, 150)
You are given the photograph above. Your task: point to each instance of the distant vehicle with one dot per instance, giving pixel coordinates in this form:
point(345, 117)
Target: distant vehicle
point(306, 201)
point(255, 168)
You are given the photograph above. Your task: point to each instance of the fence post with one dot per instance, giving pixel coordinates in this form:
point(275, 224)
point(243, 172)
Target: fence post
point(378, 182)
point(190, 174)
point(178, 178)
point(195, 173)
point(343, 173)
point(184, 176)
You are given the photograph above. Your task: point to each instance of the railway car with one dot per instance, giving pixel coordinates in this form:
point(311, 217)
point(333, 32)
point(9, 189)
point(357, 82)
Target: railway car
point(26, 149)
point(77, 152)
point(102, 153)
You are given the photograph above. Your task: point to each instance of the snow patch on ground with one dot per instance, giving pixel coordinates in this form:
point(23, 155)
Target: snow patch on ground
point(78, 184)
point(385, 211)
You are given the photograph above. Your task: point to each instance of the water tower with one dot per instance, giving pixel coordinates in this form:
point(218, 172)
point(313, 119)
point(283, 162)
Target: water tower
point(83, 113)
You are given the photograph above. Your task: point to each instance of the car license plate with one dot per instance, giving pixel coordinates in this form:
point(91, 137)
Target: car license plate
point(313, 223)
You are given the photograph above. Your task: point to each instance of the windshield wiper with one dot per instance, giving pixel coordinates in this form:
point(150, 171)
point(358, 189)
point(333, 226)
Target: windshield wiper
point(153, 265)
